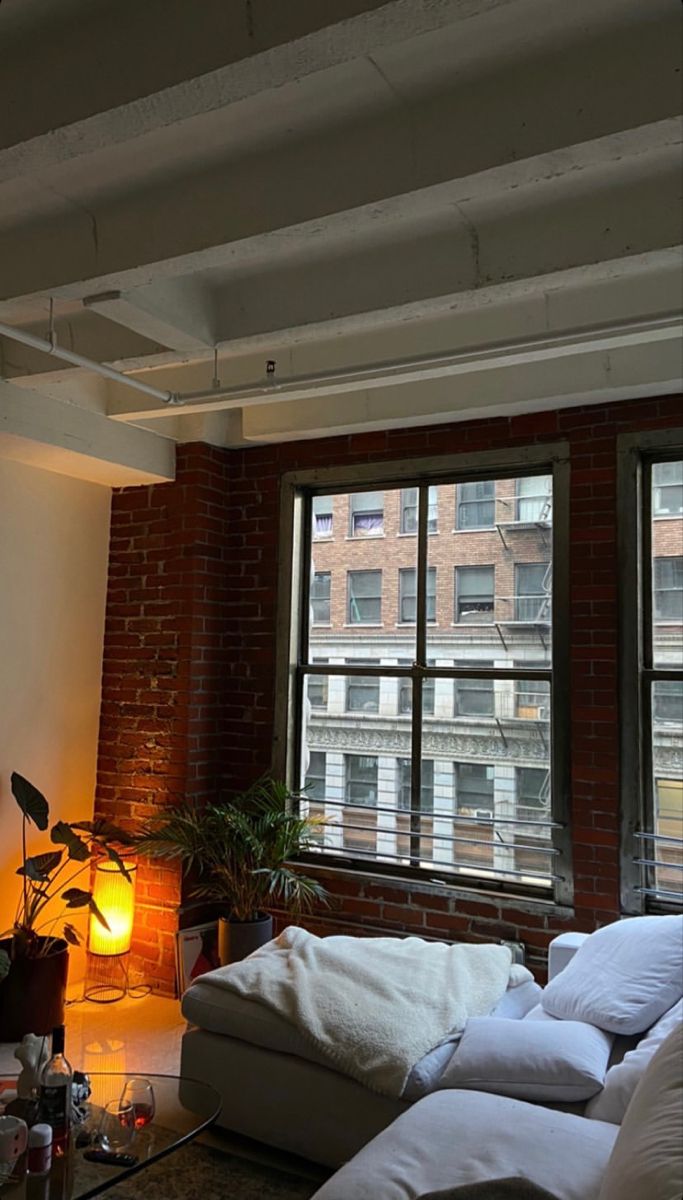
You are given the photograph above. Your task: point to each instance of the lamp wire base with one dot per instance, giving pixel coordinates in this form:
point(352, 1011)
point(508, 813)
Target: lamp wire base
point(107, 979)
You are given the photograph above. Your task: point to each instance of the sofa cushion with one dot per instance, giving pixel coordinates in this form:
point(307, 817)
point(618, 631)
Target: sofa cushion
point(236, 1017)
point(622, 1080)
point(532, 1060)
point(623, 977)
point(457, 1137)
point(647, 1159)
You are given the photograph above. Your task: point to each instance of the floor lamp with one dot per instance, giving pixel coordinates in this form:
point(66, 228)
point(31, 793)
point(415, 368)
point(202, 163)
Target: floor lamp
point(108, 948)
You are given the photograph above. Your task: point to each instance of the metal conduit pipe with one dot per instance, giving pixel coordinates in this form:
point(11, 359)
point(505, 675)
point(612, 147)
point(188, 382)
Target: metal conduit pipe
point(78, 360)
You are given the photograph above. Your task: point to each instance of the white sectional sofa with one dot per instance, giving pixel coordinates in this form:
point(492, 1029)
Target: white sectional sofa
point(493, 1104)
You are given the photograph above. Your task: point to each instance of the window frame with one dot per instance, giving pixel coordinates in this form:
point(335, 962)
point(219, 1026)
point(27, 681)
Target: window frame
point(364, 571)
point(457, 592)
point(636, 453)
point(314, 599)
point(297, 488)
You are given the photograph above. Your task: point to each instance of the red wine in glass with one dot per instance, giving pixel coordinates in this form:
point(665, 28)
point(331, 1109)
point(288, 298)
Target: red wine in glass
point(143, 1113)
point(140, 1094)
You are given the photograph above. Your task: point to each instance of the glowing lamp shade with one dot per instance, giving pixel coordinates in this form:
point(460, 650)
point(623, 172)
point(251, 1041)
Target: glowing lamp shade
point(115, 898)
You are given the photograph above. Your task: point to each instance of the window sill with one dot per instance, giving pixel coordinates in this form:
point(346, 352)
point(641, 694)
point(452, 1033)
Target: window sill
point(361, 625)
point(476, 529)
point(364, 537)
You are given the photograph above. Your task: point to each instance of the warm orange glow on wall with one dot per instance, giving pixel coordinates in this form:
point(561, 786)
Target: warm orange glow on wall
point(115, 898)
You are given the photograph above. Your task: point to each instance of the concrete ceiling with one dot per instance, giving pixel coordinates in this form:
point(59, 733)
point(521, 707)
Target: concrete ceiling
point(429, 209)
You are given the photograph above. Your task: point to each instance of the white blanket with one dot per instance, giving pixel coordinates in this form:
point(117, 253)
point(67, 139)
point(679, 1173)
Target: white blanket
point(372, 1006)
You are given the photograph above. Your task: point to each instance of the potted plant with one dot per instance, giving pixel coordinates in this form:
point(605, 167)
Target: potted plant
point(33, 956)
point(238, 852)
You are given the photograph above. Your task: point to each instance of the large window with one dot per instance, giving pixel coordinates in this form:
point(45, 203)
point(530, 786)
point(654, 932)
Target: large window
point(407, 594)
point(651, 669)
point(474, 594)
point(320, 598)
point(475, 505)
point(364, 597)
point(439, 707)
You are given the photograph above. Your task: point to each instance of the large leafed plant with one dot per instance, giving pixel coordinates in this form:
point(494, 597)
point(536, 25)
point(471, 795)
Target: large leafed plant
point(239, 852)
point(51, 876)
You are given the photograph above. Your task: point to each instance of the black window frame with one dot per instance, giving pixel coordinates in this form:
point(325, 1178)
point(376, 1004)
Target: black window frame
point(636, 455)
point(297, 487)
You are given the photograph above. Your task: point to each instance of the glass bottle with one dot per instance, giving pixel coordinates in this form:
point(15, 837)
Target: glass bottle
point(55, 1092)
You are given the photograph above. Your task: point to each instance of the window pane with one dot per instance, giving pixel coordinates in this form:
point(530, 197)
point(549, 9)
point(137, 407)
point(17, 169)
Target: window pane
point(409, 517)
point(320, 597)
point(475, 505)
point(667, 598)
point(474, 697)
point(362, 691)
point(366, 513)
point(317, 687)
point(364, 597)
point(667, 758)
point(534, 501)
point(474, 594)
point(405, 706)
point(407, 594)
point(322, 516)
point(532, 591)
point(403, 783)
point(667, 489)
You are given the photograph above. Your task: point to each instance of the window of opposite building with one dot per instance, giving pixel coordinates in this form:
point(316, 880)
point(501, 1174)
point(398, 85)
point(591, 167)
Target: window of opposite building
point(362, 691)
point(322, 523)
point(407, 594)
point(427, 667)
point(474, 594)
point(366, 514)
point(364, 591)
point(651, 668)
point(475, 505)
point(320, 598)
point(409, 510)
point(532, 590)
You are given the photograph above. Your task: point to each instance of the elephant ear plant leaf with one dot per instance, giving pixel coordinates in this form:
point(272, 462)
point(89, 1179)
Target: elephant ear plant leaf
point(48, 878)
point(239, 852)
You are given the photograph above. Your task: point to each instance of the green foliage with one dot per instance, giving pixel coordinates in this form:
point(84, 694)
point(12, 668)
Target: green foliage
point(239, 852)
point(45, 877)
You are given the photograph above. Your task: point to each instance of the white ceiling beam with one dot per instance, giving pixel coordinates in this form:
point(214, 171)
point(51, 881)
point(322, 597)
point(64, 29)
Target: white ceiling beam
point(177, 314)
point(42, 432)
point(599, 377)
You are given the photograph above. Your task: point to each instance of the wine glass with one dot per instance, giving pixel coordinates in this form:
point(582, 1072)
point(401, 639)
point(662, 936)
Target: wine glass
point(140, 1093)
point(117, 1125)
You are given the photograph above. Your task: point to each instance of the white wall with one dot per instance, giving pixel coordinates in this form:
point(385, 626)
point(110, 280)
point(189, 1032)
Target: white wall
point(54, 534)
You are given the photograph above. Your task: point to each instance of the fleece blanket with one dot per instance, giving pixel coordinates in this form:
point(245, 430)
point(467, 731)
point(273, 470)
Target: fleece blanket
point(372, 1006)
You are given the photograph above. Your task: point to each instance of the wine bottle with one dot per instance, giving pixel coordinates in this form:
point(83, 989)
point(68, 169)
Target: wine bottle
point(55, 1091)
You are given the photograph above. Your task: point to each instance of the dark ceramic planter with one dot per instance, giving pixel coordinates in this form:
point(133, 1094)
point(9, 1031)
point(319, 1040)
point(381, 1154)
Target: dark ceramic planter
point(237, 939)
point(32, 994)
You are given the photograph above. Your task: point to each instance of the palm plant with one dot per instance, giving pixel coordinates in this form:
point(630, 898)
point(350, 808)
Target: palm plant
point(239, 851)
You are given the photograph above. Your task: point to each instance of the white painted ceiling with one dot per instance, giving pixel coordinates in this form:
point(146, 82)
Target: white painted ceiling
point(335, 187)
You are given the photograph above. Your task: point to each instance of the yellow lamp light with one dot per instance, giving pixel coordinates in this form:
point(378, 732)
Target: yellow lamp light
point(114, 896)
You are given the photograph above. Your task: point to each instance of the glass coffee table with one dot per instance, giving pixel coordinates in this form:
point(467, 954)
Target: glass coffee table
point(183, 1109)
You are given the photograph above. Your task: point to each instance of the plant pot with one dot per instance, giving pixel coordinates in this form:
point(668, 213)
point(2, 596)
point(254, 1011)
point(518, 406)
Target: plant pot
point(237, 939)
point(32, 994)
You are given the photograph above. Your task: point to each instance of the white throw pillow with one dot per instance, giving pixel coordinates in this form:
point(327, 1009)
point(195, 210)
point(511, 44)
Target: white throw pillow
point(529, 1060)
point(646, 1162)
point(623, 977)
point(622, 1080)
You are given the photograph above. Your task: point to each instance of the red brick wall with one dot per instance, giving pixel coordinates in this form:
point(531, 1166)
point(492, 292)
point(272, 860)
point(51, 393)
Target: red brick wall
point(188, 689)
